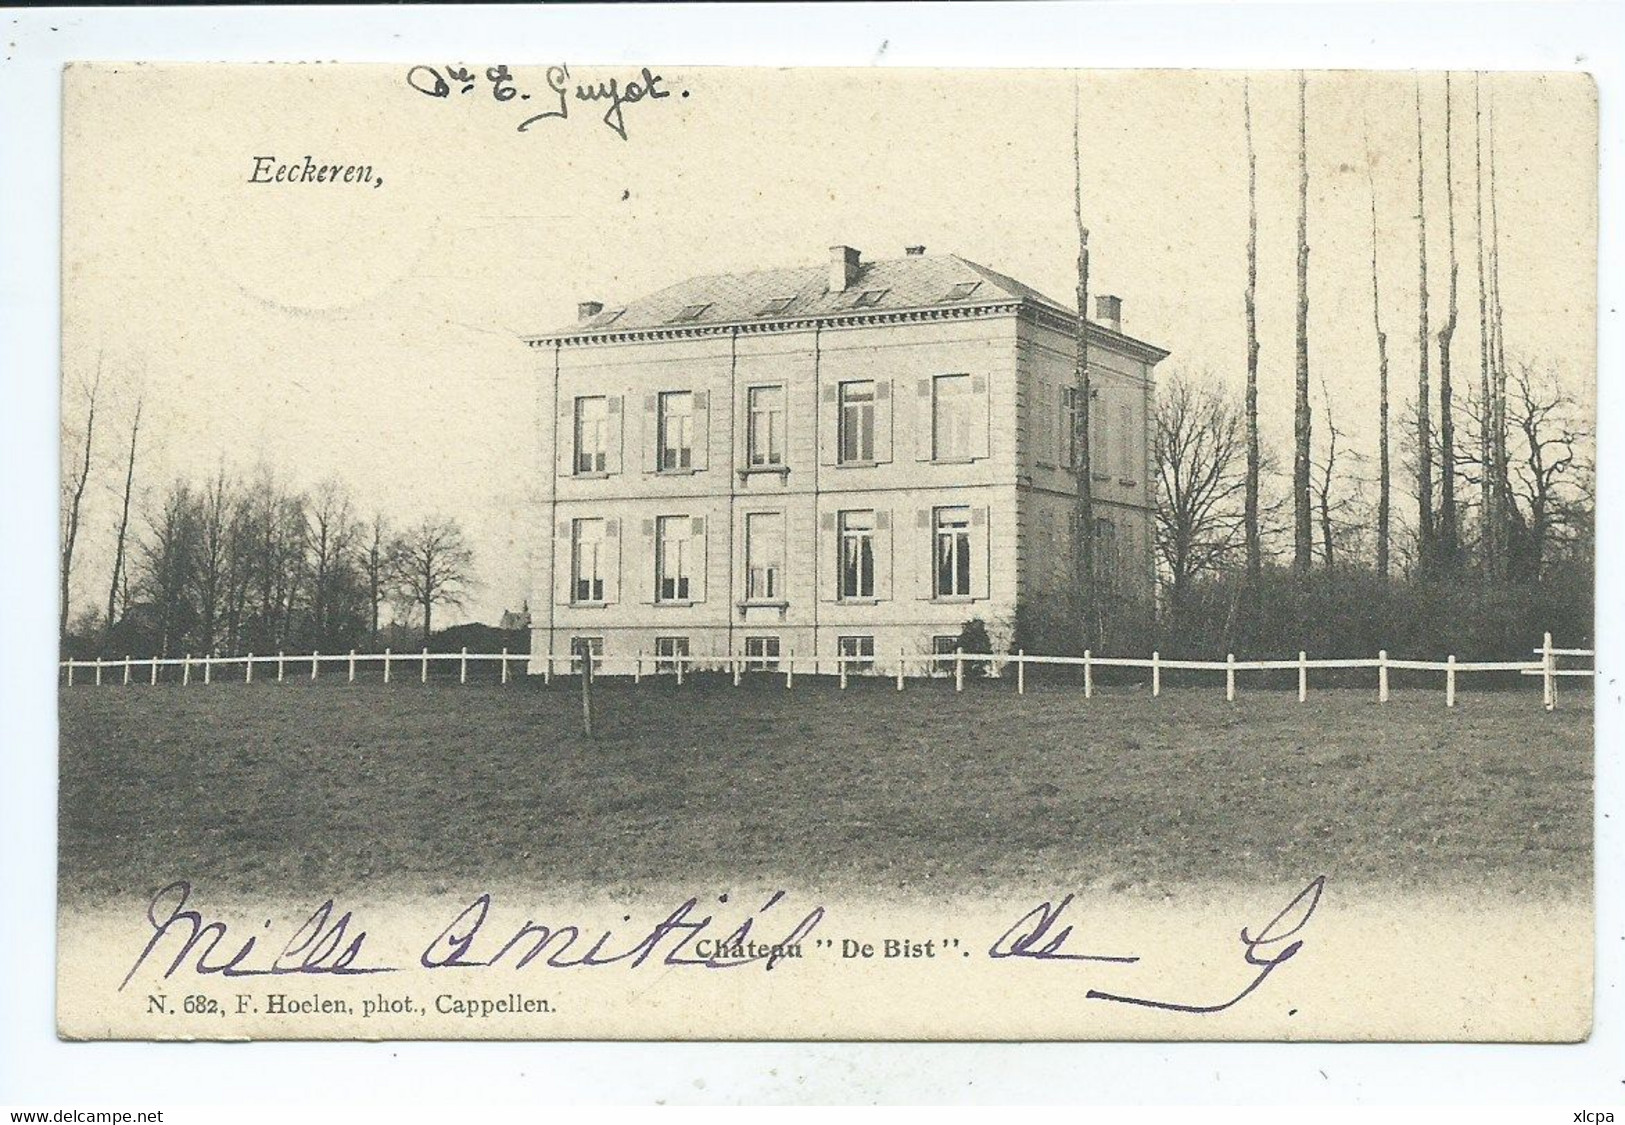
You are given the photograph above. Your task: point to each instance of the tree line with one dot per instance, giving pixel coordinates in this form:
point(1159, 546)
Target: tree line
point(232, 565)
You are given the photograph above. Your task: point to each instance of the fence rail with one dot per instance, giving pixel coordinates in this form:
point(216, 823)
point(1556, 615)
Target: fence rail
point(130, 669)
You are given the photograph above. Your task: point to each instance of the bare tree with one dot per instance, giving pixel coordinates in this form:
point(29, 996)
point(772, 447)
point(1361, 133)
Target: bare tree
point(1384, 468)
point(1090, 617)
point(1424, 421)
point(1489, 519)
point(120, 580)
point(1448, 534)
point(431, 564)
point(1340, 514)
point(1255, 563)
point(329, 537)
point(1303, 534)
point(209, 569)
point(1548, 435)
point(374, 567)
point(1200, 452)
point(168, 556)
point(75, 487)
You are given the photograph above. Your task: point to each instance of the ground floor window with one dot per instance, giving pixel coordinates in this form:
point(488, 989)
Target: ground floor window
point(594, 646)
point(762, 654)
point(857, 653)
point(669, 651)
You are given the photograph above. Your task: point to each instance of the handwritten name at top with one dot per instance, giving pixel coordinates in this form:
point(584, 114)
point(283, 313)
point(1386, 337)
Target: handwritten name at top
point(614, 94)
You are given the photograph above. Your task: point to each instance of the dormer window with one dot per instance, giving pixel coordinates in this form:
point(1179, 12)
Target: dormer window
point(690, 313)
point(777, 306)
point(962, 291)
point(869, 298)
point(611, 317)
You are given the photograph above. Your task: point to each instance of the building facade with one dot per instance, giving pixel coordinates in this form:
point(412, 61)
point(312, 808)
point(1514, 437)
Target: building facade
point(853, 460)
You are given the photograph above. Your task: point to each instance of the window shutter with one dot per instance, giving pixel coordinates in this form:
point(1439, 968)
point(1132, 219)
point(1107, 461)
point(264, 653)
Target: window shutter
point(562, 563)
point(1041, 426)
point(922, 420)
point(701, 556)
point(651, 433)
point(981, 552)
point(612, 454)
point(702, 429)
point(981, 416)
point(1100, 445)
point(883, 426)
point(883, 555)
point(612, 560)
point(645, 566)
point(923, 558)
point(829, 424)
point(1127, 443)
point(829, 557)
point(565, 453)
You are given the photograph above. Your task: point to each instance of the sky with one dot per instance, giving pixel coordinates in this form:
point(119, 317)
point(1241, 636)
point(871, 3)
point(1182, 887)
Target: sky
point(372, 333)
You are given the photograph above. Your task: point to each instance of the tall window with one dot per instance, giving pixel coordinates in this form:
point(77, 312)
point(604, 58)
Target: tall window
point(1100, 441)
point(1106, 559)
point(857, 422)
point(953, 553)
point(674, 558)
point(762, 653)
point(669, 652)
point(951, 409)
point(857, 555)
point(592, 435)
point(588, 561)
point(676, 430)
point(857, 653)
point(1069, 427)
point(1126, 445)
point(764, 557)
point(766, 408)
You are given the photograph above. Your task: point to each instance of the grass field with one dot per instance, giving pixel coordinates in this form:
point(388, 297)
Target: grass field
point(301, 788)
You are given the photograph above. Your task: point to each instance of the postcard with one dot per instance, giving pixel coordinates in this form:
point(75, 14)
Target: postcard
point(566, 551)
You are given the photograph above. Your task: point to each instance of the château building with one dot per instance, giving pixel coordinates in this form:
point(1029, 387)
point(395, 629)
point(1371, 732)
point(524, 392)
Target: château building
point(852, 459)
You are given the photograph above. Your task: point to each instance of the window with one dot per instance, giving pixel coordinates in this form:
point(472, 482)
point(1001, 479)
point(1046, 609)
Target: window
point(588, 558)
point(943, 645)
point(857, 653)
point(674, 558)
point(857, 555)
point(766, 436)
point(953, 553)
point(764, 557)
point(592, 435)
point(776, 306)
point(857, 422)
point(1100, 443)
point(951, 409)
point(593, 646)
point(669, 652)
point(762, 654)
point(869, 298)
point(690, 313)
point(676, 450)
point(1106, 559)
point(1126, 443)
point(1069, 427)
point(962, 291)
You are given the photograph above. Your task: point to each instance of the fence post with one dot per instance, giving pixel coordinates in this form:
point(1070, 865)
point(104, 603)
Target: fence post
point(902, 658)
point(127, 676)
point(678, 661)
point(1229, 677)
point(959, 669)
point(790, 668)
point(504, 665)
point(1450, 681)
point(1156, 674)
point(1021, 671)
point(248, 669)
point(423, 676)
point(315, 664)
point(738, 666)
point(70, 672)
point(584, 653)
point(1088, 674)
point(840, 667)
point(1382, 676)
point(279, 662)
point(208, 667)
point(637, 668)
point(547, 665)
point(352, 666)
point(1548, 666)
point(462, 667)
point(98, 671)
point(154, 679)
point(186, 670)
point(386, 664)
point(1303, 675)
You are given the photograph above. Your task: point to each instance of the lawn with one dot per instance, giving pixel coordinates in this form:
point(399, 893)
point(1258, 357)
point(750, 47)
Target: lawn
point(301, 788)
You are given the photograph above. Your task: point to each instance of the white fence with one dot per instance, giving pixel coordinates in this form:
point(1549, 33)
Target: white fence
point(208, 668)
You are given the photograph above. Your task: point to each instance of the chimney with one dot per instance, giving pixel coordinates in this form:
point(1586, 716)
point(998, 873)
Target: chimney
point(843, 268)
point(914, 251)
point(1109, 311)
point(586, 310)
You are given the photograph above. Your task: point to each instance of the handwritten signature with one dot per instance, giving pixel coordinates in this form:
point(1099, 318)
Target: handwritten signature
point(329, 942)
point(443, 82)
